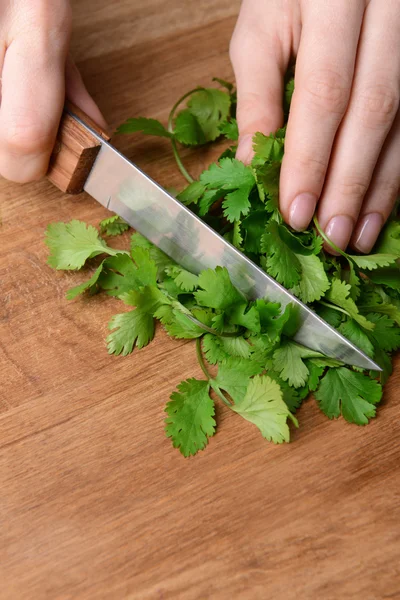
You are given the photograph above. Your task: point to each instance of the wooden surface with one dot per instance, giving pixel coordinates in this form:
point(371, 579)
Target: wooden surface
point(94, 502)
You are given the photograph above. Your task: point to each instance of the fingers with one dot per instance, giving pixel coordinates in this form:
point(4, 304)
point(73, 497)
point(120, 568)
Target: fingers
point(382, 194)
point(259, 63)
point(324, 73)
point(76, 92)
point(373, 107)
point(32, 94)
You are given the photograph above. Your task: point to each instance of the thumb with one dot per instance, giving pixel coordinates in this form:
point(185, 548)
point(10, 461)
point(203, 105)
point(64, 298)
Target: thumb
point(76, 92)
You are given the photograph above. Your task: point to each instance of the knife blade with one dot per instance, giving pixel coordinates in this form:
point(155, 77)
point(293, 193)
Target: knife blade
point(123, 188)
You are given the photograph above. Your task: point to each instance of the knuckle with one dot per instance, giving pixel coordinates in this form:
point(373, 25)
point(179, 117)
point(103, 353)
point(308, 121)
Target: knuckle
point(26, 138)
point(377, 105)
point(312, 164)
point(349, 187)
point(328, 91)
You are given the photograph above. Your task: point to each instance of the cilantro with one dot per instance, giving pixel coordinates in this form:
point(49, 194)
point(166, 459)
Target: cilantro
point(262, 374)
point(313, 282)
point(389, 240)
point(113, 225)
point(188, 130)
point(264, 406)
point(282, 263)
point(91, 285)
point(130, 328)
point(146, 126)
point(122, 275)
point(230, 130)
point(339, 294)
point(351, 394)
point(234, 177)
point(289, 363)
point(374, 261)
point(356, 334)
point(190, 420)
point(216, 289)
point(211, 108)
point(72, 244)
point(234, 376)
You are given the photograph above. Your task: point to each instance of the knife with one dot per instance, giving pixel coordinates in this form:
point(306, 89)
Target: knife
point(84, 160)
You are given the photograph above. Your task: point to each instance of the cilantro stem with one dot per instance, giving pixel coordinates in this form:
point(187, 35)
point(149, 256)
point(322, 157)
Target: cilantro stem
point(327, 240)
point(200, 358)
point(175, 150)
point(179, 162)
point(207, 374)
point(329, 305)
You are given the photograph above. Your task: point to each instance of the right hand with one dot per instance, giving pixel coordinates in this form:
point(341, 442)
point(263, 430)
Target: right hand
point(36, 75)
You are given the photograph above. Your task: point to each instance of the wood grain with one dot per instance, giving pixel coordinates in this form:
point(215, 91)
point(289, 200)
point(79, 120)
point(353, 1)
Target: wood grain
point(94, 501)
point(75, 151)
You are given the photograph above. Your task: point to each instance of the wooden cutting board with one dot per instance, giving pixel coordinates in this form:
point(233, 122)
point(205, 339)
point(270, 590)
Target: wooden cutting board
point(94, 501)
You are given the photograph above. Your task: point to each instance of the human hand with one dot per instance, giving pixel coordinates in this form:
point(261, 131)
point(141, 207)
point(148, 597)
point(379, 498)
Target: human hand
point(342, 147)
point(36, 74)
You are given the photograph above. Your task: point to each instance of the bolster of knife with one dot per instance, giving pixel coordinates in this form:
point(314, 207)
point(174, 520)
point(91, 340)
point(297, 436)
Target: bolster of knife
point(75, 151)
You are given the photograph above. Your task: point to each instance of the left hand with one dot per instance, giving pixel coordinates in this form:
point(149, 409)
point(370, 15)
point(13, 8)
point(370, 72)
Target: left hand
point(342, 147)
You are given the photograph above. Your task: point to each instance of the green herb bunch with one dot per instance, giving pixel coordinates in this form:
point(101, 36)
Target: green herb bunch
point(261, 373)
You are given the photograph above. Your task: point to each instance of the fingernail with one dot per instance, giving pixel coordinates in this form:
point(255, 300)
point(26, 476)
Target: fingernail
point(244, 150)
point(339, 230)
point(302, 211)
point(367, 232)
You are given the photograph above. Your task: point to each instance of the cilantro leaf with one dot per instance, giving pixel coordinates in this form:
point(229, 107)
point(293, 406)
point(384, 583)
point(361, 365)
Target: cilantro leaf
point(178, 324)
point(385, 333)
point(188, 130)
point(184, 279)
point(161, 260)
point(348, 393)
point(391, 310)
point(389, 276)
point(131, 328)
point(213, 349)
point(268, 148)
point(389, 240)
point(264, 406)
point(146, 126)
point(211, 108)
point(282, 263)
point(254, 226)
point(91, 285)
point(137, 326)
point(314, 281)
point(217, 290)
point(232, 176)
point(246, 316)
point(71, 244)
point(114, 225)
point(123, 275)
point(288, 362)
point(234, 375)
point(190, 420)
point(339, 294)
point(354, 332)
point(235, 346)
point(291, 396)
point(373, 261)
point(230, 130)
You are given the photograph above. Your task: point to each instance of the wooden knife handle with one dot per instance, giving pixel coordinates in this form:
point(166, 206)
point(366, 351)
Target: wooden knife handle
point(74, 152)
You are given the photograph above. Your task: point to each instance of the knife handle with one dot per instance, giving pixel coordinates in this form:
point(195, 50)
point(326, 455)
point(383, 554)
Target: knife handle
point(75, 151)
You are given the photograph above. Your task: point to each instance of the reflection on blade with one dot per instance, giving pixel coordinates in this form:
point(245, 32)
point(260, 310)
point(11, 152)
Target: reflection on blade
point(123, 188)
